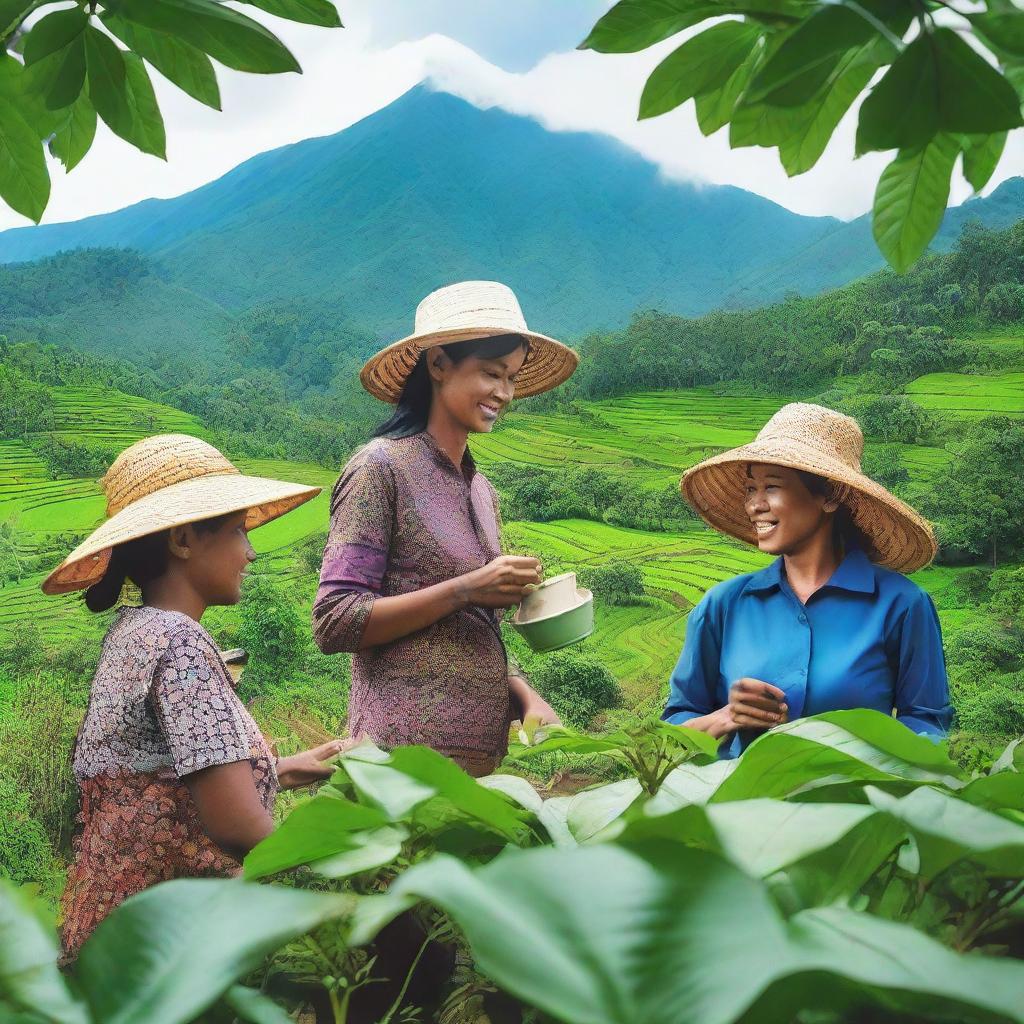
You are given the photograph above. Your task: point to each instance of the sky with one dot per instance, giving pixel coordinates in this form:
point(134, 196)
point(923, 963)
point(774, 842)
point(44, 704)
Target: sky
point(519, 56)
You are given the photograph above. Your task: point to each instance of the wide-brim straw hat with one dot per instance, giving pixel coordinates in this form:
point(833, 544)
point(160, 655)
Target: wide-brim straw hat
point(829, 444)
point(463, 312)
point(164, 481)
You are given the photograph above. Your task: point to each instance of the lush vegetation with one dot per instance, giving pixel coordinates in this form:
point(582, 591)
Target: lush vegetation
point(883, 880)
point(89, 62)
point(784, 74)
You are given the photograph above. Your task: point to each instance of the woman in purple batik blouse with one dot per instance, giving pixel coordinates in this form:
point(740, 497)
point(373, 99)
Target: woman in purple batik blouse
point(413, 578)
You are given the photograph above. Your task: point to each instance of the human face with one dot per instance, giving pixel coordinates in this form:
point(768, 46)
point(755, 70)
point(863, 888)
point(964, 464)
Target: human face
point(218, 560)
point(475, 391)
point(785, 515)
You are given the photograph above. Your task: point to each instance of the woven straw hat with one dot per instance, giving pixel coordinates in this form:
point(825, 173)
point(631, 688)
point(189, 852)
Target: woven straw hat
point(462, 312)
point(164, 481)
point(818, 440)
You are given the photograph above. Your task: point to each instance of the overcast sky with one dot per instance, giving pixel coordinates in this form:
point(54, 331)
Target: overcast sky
point(520, 56)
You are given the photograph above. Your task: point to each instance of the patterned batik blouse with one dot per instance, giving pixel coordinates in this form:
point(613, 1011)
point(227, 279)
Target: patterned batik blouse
point(405, 517)
point(162, 705)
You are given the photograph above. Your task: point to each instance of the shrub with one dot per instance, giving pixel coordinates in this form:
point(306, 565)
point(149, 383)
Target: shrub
point(1004, 303)
point(26, 851)
point(998, 708)
point(272, 632)
point(618, 582)
point(577, 686)
point(1006, 587)
point(986, 645)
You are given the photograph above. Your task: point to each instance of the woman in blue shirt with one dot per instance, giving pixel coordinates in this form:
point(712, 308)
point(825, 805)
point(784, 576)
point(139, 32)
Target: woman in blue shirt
point(832, 623)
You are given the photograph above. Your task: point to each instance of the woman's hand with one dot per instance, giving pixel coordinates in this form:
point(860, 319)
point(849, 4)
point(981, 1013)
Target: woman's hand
point(311, 765)
point(501, 583)
point(717, 725)
point(755, 704)
point(541, 712)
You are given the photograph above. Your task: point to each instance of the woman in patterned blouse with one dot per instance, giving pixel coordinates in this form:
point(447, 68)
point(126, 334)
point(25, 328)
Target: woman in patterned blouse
point(174, 775)
point(413, 578)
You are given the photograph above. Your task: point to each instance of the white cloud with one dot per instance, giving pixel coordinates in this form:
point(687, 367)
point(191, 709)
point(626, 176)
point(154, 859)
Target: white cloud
point(346, 77)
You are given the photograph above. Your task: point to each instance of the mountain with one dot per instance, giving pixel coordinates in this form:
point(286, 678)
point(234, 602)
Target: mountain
point(432, 189)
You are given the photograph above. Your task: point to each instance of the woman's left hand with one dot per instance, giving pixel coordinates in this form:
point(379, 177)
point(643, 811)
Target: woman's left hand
point(311, 765)
point(540, 711)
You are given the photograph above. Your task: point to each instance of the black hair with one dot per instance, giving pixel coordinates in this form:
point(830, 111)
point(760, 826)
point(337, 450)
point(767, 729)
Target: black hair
point(141, 560)
point(413, 410)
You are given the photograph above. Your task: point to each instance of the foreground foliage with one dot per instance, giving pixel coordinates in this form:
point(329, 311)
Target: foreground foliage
point(841, 863)
point(90, 62)
point(785, 73)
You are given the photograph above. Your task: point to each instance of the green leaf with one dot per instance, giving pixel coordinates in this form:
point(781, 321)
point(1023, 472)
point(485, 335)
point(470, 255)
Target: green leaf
point(229, 37)
point(701, 64)
point(1003, 791)
point(167, 954)
point(309, 12)
point(515, 788)
point(633, 25)
point(69, 75)
point(29, 978)
point(801, 149)
point(74, 140)
point(370, 850)
point(1004, 30)
point(605, 934)
point(715, 108)
point(593, 810)
point(24, 181)
point(1011, 759)
point(107, 75)
point(981, 156)
point(808, 57)
point(54, 32)
point(254, 1007)
point(691, 784)
point(179, 62)
point(12, 14)
point(319, 828)
point(147, 123)
point(948, 830)
point(910, 200)
point(938, 84)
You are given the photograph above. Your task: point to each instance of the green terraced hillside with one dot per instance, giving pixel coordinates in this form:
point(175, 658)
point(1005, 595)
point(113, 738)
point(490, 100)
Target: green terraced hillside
point(970, 396)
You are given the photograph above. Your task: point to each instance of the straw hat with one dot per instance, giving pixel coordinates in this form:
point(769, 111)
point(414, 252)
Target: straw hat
point(164, 481)
point(818, 440)
point(462, 312)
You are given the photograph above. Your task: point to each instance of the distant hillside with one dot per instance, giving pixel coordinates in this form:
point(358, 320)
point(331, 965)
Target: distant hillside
point(432, 189)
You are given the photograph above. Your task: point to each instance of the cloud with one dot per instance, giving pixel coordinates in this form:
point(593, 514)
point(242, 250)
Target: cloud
point(348, 75)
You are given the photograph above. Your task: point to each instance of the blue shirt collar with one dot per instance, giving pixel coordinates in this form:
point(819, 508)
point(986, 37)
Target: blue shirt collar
point(854, 573)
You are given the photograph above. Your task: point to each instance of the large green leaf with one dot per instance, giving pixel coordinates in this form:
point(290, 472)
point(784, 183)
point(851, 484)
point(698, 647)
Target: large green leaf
point(147, 123)
point(181, 63)
point(691, 784)
point(167, 954)
point(29, 978)
point(1011, 759)
point(981, 156)
point(911, 198)
point(68, 76)
point(1003, 29)
point(703, 63)
point(1002, 791)
point(633, 25)
point(804, 145)
point(235, 40)
point(54, 32)
point(593, 810)
point(370, 850)
point(948, 830)
point(661, 933)
point(828, 748)
point(322, 827)
point(310, 12)
point(107, 75)
point(254, 1007)
point(12, 13)
point(73, 141)
point(24, 181)
point(715, 108)
point(938, 84)
point(808, 57)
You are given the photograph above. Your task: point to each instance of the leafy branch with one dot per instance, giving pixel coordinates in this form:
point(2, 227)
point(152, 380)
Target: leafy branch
point(783, 74)
point(77, 65)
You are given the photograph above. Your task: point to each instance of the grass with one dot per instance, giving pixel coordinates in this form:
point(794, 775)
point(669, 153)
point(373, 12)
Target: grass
point(970, 396)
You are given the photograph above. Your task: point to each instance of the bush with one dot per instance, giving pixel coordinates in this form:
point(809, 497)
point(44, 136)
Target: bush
point(1004, 303)
point(997, 708)
point(984, 645)
point(71, 459)
point(26, 851)
point(577, 686)
point(1006, 587)
point(273, 633)
point(618, 582)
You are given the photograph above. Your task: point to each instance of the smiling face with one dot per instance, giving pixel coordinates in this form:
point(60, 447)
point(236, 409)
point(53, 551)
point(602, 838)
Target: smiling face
point(474, 391)
point(218, 559)
point(785, 515)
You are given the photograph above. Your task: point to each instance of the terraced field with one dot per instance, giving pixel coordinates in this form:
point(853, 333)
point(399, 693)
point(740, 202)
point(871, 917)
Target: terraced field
point(970, 396)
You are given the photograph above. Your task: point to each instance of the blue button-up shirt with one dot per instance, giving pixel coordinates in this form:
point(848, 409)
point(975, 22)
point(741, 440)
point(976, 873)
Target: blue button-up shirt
point(869, 638)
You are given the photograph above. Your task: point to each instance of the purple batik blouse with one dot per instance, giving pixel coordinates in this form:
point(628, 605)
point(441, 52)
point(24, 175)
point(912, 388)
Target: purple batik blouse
point(405, 517)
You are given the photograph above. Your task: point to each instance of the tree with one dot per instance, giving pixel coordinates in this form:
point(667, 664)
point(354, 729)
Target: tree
point(577, 686)
point(272, 633)
point(88, 62)
point(783, 73)
point(978, 505)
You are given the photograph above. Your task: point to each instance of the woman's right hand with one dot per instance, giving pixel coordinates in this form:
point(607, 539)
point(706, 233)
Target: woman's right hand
point(755, 704)
point(501, 583)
